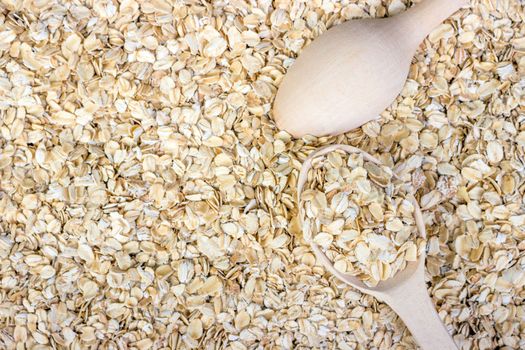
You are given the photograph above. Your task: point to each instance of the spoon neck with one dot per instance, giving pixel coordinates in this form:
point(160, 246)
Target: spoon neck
point(423, 18)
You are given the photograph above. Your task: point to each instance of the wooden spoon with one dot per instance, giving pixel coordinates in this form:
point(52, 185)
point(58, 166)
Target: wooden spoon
point(351, 73)
point(406, 292)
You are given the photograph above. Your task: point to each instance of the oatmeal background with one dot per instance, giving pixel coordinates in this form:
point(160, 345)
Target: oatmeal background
point(148, 201)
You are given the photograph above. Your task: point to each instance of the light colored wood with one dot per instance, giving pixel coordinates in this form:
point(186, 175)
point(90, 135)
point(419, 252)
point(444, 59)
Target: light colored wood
point(351, 73)
point(406, 292)
point(410, 300)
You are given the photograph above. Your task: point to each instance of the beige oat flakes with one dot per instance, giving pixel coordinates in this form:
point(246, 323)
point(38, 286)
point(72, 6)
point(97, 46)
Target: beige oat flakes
point(148, 201)
point(358, 212)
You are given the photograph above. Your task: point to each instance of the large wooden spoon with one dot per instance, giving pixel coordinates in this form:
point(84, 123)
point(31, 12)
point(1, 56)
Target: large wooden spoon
point(406, 293)
point(351, 73)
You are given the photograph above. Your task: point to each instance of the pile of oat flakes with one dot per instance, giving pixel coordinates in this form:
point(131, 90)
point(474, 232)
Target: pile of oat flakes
point(359, 215)
point(148, 201)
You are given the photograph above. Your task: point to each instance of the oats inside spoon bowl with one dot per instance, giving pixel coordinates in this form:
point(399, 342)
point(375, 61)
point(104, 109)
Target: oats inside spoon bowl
point(357, 212)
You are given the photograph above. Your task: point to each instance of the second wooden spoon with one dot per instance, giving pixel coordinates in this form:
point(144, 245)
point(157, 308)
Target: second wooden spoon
point(351, 73)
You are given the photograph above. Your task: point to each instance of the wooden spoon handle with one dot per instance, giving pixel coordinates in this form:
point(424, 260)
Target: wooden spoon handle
point(420, 20)
point(413, 304)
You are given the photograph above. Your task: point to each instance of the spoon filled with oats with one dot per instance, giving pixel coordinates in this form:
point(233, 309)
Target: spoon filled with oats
point(366, 228)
